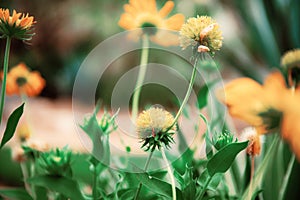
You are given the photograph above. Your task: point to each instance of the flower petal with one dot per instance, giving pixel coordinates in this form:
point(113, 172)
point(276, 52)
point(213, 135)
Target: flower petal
point(175, 22)
point(166, 9)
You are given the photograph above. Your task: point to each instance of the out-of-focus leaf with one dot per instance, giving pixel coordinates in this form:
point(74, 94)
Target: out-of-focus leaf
point(223, 159)
point(12, 123)
point(62, 185)
point(15, 194)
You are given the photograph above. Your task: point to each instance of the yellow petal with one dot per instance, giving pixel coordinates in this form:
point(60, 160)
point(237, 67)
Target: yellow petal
point(175, 22)
point(166, 9)
point(127, 21)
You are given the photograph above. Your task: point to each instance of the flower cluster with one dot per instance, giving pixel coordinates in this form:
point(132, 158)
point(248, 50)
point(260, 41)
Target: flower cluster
point(20, 80)
point(154, 127)
point(18, 25)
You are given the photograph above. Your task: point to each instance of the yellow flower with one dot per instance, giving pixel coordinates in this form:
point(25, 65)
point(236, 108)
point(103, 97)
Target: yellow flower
point(18, 25)
point(21, 80)
point(202, 33)
point(154, 127)
point(23, 132)
point(269, 107)
point(144, 14)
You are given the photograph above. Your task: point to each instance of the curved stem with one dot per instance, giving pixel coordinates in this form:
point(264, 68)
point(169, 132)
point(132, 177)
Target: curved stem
point(5, 69)
point(187, 95)
point(141, 77)
point(145, 168)
point(169, 172)
point(286, 178)
point(204, 188)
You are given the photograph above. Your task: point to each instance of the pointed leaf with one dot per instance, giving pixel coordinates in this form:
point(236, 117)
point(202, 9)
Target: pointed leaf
point(15, 194)
point(12, 123)
point(63, 185)
point(223, 159)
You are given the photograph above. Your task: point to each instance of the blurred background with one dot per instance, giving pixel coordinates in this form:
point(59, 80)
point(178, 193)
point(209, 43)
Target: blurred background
point(256, 34)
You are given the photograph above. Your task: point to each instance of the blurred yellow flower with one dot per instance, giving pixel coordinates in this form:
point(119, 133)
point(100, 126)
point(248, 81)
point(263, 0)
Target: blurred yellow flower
point(22, 81)
point(23, 132)
point(144, 14)
point(18, 25)
point(154, 127)
point(269, 108)
point(201, 32)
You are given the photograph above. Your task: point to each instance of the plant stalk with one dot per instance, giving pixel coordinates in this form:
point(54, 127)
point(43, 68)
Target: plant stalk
point(5, 69)
point(141, 77)
point(286, 178)
point(204, 188)
point(169, 172)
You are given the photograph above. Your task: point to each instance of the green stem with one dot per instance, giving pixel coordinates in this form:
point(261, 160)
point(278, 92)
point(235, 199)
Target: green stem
point(204, 188)
point(5, 69)
point(95, 192)
point(286, 178)
point(141, 77)
point(169, 172)
point(145, 168)
point(187, 95)
point(235, 172)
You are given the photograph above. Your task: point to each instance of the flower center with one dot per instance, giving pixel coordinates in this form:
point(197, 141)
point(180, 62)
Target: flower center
point(149, 28)
point(271, 119)
point(21, 81)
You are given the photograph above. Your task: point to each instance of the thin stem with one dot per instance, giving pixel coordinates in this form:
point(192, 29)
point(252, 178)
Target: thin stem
point(95, 192)
point(204, 187)
point(141, 77)
point(169, 172)
point(187, 95)
point(286, 178)
point(235, 172)
point(251, 177)
point(145, 168)
point(5, 69)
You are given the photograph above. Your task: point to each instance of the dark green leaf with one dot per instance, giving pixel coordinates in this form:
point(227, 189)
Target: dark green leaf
point(223, 159)
point(15, 194)
point(63, 185)
point(202, 96)
point(12, 123)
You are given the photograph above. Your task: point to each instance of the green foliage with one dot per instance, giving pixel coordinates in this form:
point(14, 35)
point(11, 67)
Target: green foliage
point(16, 194)
point(223, 159)
point(12, 123)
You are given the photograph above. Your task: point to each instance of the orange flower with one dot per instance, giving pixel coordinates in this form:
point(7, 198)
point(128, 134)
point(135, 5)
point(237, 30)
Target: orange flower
point(21, 80)
point(144, 14)
point(270, 107)
point(18, 25)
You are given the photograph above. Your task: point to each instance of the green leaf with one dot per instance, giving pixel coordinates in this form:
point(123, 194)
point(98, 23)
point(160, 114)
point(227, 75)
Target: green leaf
point(158, 186)
point(15, 194)
point(63, 185)
point(12, 123)
point(202, 96)
point(223, 159)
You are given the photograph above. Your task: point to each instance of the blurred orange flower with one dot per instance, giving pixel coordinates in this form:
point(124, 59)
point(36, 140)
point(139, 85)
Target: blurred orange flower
point(17, 25)
point(144, 14)
point(22, 81)
point(269, 107)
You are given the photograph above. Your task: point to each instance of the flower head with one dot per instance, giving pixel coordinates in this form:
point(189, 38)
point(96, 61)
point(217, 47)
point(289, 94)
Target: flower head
point(57, 163)
point(154, 127)
point(18, 25)
point(271, 107)
point(254, 145)
point(202, 33)
point(21, 80)
point(224, 139)
point(23, 132)
point(144, 14)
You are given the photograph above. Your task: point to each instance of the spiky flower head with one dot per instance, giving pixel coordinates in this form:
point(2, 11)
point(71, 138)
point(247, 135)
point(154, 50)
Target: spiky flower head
point(224, 139)
point(254, 146)
point(18, 25)
point(155, 127)
point(202, 33)
point(56, 162)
